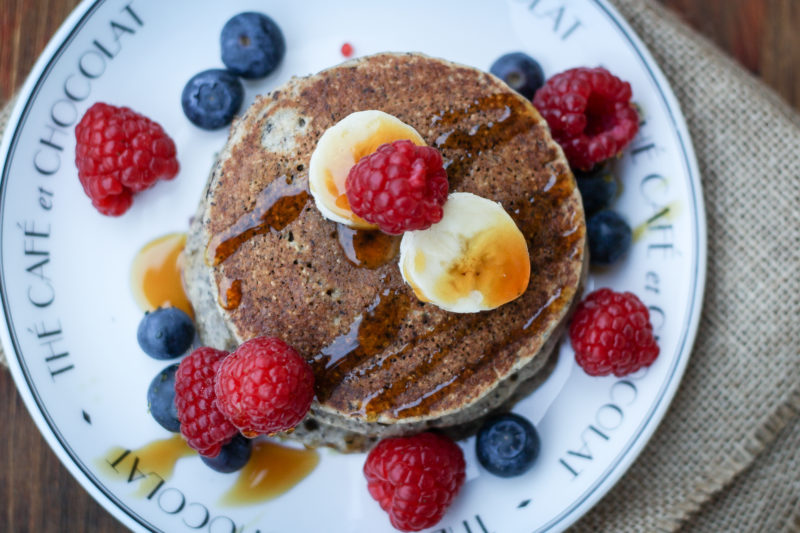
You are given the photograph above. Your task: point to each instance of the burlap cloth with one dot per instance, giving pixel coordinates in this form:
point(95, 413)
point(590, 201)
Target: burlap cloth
point(727, 455)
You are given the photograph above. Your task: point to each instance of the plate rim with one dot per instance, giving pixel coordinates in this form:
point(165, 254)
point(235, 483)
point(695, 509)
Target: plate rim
point(47, 428)
point(652, 420)
point(612, 474)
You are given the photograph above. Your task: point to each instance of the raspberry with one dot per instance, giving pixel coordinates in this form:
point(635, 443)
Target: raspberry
point(264, 387)
point(590, 114)
point(415, 479)
point(202, 424)
point(400, 187)
point(120, 152)
point(611, 332)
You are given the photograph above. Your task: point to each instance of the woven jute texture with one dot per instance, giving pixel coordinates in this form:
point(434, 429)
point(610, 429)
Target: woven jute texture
point(726, 456)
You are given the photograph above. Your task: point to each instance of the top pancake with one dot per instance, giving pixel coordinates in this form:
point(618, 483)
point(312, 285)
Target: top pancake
point(379, 355)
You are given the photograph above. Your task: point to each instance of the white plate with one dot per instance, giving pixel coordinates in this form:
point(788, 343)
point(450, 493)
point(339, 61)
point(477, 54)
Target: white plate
point(71, 319)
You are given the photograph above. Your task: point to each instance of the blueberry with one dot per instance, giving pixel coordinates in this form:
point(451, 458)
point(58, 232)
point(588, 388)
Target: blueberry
point(161, 399)
point(211, 98)
point(598, 189)
point(252, 45)
point(609, 237)
point(507, 445)
point(165, 333)
point(520, 71)
point(232, 457)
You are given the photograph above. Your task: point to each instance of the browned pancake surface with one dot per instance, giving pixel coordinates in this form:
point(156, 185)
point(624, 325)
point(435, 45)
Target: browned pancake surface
point(377, 352)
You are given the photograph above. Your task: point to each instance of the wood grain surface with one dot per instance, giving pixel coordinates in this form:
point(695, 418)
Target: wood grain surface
point(37, 494)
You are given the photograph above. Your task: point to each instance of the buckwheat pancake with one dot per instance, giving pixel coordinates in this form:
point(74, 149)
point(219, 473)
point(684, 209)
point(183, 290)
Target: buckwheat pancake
point(261, 259)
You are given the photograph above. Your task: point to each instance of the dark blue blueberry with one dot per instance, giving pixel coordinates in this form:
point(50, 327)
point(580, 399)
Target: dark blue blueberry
point(165, 333)
point(232, 457)
point(520, 71)
point(598, 189)
point(609, 237)
point(507, 445)
point(252, 45)
point(211, 98)
point(161, 399)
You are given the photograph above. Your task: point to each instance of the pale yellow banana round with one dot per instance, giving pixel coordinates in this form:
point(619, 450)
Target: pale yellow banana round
point(340, 148)
point(474, 259)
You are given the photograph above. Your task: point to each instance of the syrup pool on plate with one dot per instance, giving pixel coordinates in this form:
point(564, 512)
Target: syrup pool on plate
point(273, 469)
point(156, 274)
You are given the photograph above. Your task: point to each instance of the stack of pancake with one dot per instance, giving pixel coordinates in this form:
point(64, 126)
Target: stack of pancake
point(262, 260)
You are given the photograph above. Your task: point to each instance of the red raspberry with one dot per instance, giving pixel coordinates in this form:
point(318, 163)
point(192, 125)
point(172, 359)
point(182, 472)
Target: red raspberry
point(202, 424)
point(120, 152)
point(415, 479)
point(590, 113)
point(611, 332)
point(400, 187)
point(264, 387)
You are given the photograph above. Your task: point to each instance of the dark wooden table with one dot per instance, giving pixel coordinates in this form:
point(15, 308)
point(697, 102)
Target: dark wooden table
point(37, 494)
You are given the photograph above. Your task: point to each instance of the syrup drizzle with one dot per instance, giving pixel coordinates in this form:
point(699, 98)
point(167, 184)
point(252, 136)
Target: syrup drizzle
point(468, 143)
point(387, 400)
point(230, 293)
point(280, 203)
point(369, 334)
point(454, 328)
point(367, 248)
point(512, 340)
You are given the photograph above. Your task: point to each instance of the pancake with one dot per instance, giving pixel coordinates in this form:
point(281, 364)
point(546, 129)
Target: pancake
point(261, 260)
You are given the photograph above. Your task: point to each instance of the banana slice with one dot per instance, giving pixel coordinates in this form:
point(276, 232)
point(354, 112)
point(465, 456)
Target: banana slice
point(474, 259)
point(340, 148)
